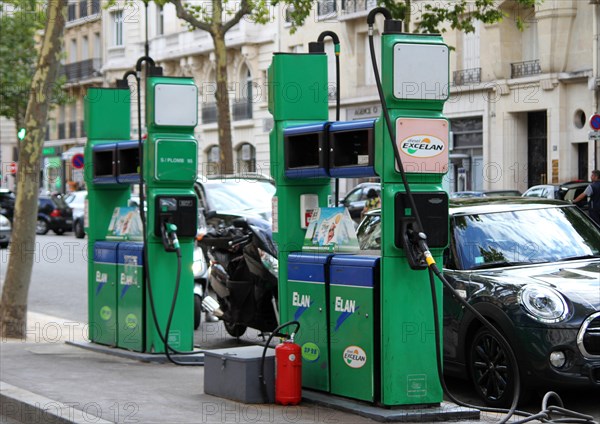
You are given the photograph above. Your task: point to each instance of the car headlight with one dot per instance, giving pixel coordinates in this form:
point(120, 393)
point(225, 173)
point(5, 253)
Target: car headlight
point(543, 303)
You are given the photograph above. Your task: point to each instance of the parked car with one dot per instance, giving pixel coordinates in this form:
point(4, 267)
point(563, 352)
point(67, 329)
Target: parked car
point(462, 194)
point(7, 203)
point(53, 214)
point(502, 193)
point(5, 230)
point(233, 195)
point(76, 201)
point(565, 191)
point(355, 200)
point(531, 267)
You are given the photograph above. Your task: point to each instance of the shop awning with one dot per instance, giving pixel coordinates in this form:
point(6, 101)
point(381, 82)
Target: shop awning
point(68, 155)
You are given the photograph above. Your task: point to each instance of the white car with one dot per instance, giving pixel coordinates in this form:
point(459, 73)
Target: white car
point(76, 201)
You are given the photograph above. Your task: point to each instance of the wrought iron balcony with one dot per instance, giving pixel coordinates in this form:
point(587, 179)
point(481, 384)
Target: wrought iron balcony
point(356, 6)
point(242, 110)
point(467, 76)
point(209, 113)
point(523, 69)
point(81, 70)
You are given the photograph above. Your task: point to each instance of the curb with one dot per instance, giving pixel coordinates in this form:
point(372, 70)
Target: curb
point(27, 407)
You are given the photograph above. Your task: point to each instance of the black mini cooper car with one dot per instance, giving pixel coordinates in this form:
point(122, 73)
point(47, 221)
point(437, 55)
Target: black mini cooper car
point(532, 268)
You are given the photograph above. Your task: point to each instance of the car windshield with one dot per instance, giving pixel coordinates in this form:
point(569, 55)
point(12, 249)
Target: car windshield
point(225, 195)
point(523, 237)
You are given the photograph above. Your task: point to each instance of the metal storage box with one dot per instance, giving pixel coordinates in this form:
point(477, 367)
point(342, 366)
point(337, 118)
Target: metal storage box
point(233, 373)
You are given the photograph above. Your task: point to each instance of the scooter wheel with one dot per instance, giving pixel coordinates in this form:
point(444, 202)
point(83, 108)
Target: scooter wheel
point(235, 330)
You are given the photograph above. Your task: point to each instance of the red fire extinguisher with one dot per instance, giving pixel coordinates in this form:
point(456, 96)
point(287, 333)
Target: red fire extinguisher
point(288, 373)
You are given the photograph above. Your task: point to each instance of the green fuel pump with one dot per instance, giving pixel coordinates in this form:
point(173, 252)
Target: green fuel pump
point(131, 308)
point(415, 71)
point(169, 169)
point(394, 357)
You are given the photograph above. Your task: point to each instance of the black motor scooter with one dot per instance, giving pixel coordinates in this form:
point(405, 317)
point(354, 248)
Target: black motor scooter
point(243, 275)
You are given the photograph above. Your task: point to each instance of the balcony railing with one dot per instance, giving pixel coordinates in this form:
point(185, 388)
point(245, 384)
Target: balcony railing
point(523, 69)
point(209, 113)
point(77, 71)
point(355, 6)
point(242, 110)
point(467, 76)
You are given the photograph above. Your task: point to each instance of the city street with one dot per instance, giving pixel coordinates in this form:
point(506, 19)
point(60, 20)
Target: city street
point(59, 289)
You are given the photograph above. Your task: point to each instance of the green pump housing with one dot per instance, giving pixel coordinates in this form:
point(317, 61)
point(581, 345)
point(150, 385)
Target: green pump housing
point(170, 169)
point(368, 320)
point(122, 291)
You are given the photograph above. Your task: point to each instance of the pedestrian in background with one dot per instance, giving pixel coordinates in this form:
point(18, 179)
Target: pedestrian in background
point(593, 192)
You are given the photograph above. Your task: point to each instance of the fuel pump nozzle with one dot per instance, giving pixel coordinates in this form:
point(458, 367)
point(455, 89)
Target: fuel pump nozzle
point(169, 237)
point(416, 248)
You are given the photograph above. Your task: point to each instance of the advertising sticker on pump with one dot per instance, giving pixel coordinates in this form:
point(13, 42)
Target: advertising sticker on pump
point(423, 145)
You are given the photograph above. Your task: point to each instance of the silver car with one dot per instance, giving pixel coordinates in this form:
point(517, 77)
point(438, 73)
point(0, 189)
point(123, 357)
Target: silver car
point(5, 229)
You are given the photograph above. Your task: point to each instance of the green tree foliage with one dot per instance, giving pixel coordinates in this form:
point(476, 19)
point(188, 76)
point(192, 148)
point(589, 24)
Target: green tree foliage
point(19, 23)
point(458, 14)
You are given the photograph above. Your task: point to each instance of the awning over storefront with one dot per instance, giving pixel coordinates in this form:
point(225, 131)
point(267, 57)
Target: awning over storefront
point(68, 155)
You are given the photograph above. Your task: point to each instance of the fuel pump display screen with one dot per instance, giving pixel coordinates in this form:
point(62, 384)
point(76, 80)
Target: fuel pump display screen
point(179, 210)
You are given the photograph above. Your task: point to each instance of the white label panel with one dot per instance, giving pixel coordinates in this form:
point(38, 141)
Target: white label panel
point(421, 71)
point(176, 105)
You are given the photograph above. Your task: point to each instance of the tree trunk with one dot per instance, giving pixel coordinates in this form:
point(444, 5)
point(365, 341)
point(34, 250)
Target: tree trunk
point(222, 98)
point(13, 305)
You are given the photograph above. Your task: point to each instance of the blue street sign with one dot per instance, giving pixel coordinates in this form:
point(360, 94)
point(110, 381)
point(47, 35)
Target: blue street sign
point(77, 161)
point(595, 122)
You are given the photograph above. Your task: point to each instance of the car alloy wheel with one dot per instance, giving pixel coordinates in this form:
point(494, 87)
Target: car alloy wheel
point(490, 369)
point(41, 227)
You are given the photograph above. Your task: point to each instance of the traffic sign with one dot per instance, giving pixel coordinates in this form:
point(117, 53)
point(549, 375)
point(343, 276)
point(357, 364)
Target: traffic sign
point(11, 168)
point(77, 161)
point(595, 122)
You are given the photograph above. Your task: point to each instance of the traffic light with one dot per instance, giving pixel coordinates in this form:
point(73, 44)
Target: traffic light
point(21, 134)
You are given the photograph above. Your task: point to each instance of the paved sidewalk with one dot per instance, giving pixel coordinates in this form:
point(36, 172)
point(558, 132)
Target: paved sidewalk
point(45, 380)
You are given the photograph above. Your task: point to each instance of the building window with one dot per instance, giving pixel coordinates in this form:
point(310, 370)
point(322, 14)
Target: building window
point(83, 8)
point(117, 20)
point(160, 20)
point(246, 158)
point(71, 12)
point(242, 108)
point(326, 8)
point(213, 159)
point(97, 46)
point(73, 51)
point(85, 48)
point(95, 7)
point(61, 123)
point(366, 66)
point(73, 120)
